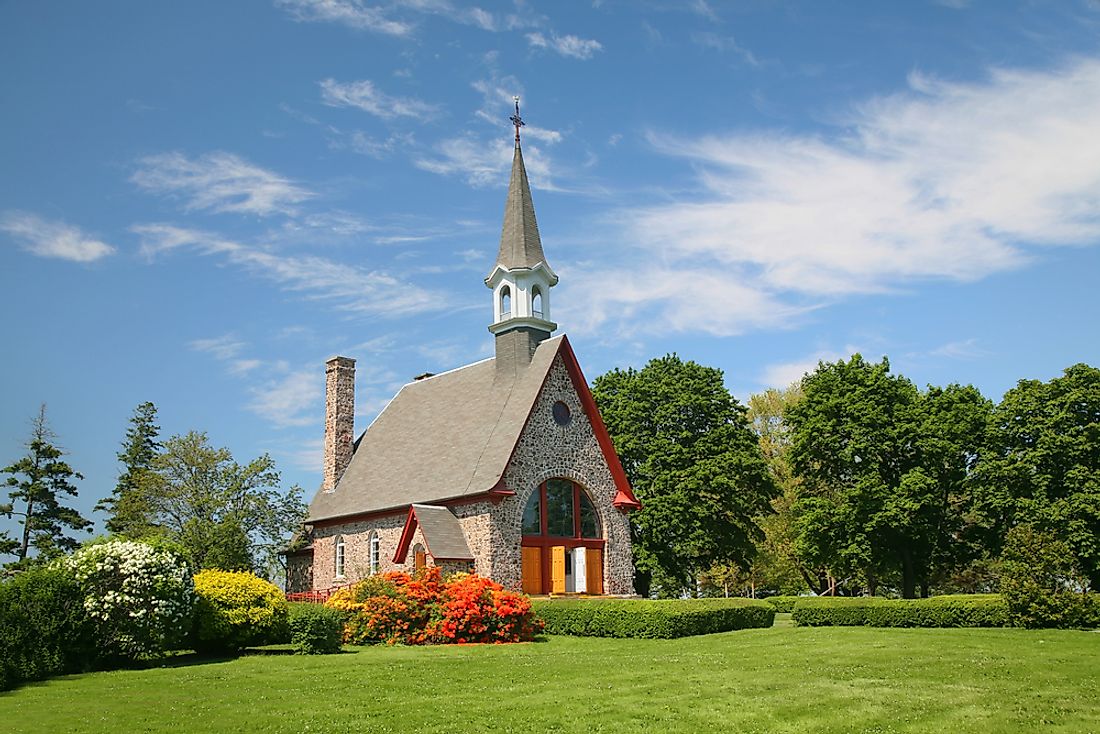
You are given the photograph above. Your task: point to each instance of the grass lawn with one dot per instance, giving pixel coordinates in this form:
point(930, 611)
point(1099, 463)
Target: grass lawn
point(785, 679)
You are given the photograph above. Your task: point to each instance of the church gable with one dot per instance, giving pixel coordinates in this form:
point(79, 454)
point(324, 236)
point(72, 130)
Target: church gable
point(562, 443)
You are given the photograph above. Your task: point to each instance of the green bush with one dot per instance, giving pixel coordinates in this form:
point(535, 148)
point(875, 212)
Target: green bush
point(963, 610)
point(316, 629)
point(1040, 579)
point(784, 604)
point(235, 610)
point(651, 619)
point(44, 629)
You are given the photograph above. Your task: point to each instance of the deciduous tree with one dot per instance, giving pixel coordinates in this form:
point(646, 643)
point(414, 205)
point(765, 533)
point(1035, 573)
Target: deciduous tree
point(1042, 465)
point(884, 470)
point(695, 465)
point(223, 514)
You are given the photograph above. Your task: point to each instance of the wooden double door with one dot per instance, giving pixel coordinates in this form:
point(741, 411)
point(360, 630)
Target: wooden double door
point(560, 569)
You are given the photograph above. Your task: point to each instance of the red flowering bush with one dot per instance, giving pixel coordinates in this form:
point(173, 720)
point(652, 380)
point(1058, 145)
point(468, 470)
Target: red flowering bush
point(425, 609)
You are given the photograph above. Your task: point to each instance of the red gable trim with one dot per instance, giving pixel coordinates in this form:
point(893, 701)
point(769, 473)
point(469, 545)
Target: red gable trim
point(406, 537)
point(624, 498)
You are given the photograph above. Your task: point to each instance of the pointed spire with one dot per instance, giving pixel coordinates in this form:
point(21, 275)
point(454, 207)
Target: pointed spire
point(520, 245)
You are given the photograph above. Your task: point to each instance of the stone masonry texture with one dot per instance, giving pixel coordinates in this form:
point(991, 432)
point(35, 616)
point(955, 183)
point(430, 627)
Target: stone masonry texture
point(339, 418)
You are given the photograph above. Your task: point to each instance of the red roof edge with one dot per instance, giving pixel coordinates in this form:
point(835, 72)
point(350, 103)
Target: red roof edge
point(624, 498)
point(406, 537)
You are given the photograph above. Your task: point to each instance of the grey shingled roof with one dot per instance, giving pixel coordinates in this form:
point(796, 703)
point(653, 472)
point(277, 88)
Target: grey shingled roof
point(520, 244)
point(440, 438)
point(443, 533)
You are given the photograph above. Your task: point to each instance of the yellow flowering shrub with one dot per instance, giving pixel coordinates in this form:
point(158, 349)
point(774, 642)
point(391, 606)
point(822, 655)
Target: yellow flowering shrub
point(236, 609)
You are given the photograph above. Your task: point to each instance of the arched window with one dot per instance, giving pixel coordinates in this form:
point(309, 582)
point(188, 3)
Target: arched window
point(420, 558)
point(505, 302)
point(561, 509)
point(374, 553)
point(339, 556)
point(536, 302)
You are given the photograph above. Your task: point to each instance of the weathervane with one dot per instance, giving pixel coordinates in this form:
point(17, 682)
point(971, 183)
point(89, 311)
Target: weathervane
point(516, 119)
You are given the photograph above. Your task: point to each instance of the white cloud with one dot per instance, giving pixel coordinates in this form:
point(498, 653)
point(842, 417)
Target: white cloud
point(52, 239)
point(650, 299)
point(723, 44)
point(567, 45)
point(944, 180)
point(359, 15)
point(486, 163)
point(963, 349)
point(222, 347)
point(295, 399)
point(352, 13)
point(365, 96)
point(219, 182)
point(356, 290)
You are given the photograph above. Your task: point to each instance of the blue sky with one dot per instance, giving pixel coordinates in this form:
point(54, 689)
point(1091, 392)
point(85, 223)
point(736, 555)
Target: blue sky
point(200, 202)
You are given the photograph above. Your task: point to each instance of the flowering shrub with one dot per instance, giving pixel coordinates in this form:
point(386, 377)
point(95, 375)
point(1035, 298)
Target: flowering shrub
point(425, 609)
point(236, 609)
point(139, 597)
point(477, 609)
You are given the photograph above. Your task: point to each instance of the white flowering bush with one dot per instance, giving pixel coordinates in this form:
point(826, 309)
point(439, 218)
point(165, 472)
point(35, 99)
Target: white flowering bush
point(139, 596)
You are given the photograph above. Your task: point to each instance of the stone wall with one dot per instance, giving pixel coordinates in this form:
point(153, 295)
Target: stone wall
point(299, 572)
point(547, 450)
point(473, 517)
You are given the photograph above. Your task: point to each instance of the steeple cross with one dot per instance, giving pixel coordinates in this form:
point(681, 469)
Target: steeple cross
point(516, 119)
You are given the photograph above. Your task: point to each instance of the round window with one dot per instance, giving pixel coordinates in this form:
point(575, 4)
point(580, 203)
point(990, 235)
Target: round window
point(562, 416)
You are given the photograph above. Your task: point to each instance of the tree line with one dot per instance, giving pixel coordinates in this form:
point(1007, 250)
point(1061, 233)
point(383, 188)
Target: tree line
point(853, 480)
point(180, 491)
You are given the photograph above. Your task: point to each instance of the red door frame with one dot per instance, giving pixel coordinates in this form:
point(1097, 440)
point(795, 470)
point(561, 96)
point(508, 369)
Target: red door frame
point(545, 542)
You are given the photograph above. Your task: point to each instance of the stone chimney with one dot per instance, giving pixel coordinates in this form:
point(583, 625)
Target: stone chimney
point(339, 418)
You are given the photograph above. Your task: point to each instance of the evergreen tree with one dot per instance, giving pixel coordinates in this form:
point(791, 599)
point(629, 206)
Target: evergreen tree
point(128, 505)
point(38, 483)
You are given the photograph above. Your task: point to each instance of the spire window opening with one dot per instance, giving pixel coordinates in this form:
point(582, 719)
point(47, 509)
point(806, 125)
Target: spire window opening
point(505, 303)
point(536, 302)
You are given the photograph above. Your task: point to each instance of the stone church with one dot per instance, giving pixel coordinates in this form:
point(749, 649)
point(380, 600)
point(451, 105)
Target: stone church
point(502, 467)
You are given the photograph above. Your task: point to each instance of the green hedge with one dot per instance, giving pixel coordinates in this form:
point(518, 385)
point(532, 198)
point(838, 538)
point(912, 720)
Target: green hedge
point(784, 604)
point(963, 610)
point(651, 619)
point(315, 629)
point(44, 629)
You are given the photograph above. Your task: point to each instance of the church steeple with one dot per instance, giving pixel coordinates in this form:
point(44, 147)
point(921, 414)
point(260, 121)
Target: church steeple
point(521, 279)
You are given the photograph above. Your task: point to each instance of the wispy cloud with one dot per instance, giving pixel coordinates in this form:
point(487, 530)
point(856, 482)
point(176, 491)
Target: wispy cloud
point(725, 44)
point(354, 289)
point(47, 238)
point(485, 163)
point(567, 45)
point(227, 348)
point(294, 399)
point(393, 17)
point(222, 347)
point(219, 182)
point(365, 96)
point(944, 180)
point(352, 13)
point(963, 349)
